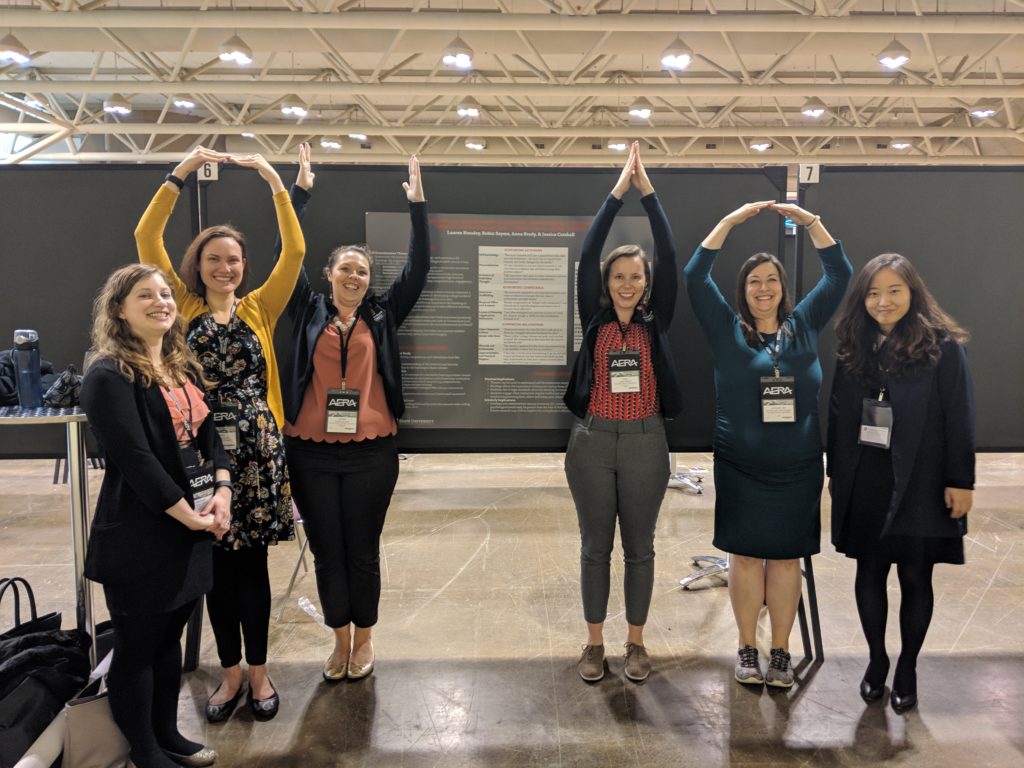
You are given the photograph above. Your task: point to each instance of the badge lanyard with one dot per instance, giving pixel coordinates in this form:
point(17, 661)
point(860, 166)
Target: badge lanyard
point(226, 414)
point(342, 415)
point(876, 417)
point(198, 471)
point(624, 367)
point(778, 392)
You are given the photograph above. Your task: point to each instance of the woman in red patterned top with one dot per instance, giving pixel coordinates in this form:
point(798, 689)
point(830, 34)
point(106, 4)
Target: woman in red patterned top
point(623, 386)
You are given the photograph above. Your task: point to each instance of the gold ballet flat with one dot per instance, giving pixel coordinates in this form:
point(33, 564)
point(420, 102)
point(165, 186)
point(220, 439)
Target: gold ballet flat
point(359, 671)
point(335, 672)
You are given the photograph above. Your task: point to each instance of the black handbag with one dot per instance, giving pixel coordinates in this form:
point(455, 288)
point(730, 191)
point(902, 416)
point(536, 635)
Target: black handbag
point(35, 622)
point(65, 391)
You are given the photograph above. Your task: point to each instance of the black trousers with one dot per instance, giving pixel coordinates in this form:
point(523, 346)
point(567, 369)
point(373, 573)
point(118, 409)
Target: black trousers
point(144, 680)
point(343, 491)
point(239, 603)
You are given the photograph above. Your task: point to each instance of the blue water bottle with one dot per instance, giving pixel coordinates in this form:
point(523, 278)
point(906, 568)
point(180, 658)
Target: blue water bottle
point(26, 359)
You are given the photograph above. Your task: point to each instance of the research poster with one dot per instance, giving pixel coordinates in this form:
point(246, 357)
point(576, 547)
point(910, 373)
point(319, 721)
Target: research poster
point(491, 342)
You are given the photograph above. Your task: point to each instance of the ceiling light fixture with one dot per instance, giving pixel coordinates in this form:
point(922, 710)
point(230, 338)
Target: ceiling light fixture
point(476, 144)
point(184, 102)
point(33, 102)
point(900, 145)
point(468, 107)
point(814, 107)
point(293, 106)
point(618, 145)
point(760, 145)
point(330, 142)
point(234, 49)
point(894, 55)
point(12, 49)
point(117, 105)
point(457, 54)
point(357, 136)
point(677, 56)
point(641, 109)
point(248, 135)
point(983, 110)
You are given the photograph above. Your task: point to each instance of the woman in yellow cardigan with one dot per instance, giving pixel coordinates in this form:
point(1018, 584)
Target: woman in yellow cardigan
point(231, 332)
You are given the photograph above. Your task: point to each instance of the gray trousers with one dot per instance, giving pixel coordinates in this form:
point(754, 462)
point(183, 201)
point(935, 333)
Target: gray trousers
point(617, 470)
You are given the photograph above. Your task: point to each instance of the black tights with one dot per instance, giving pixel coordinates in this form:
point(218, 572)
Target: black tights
point(143, 683)
point(916, 602)
point(239, 603)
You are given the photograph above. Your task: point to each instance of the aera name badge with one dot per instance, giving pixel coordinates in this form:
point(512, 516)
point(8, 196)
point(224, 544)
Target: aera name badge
point(624, 372)
point(200, 476)
point(875, 423)
point(342, 411)
point(225, 419)
point(778, 399)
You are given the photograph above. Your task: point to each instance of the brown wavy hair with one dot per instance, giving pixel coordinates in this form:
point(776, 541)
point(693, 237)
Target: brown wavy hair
point(189, 269)
point(914, 342)
point(747, 322)
point(625, 251)
point(112, 338)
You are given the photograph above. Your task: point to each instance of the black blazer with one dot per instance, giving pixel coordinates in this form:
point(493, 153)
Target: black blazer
point(932, 444)
point(149, 561)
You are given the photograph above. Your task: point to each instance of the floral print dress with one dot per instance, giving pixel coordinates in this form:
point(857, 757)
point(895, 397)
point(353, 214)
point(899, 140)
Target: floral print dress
point(234, 364)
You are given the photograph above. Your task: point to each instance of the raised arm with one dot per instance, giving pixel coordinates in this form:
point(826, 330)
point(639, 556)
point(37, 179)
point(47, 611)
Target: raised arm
point(273, 295)
point(664, 284)
point(712, 310)
point(406, 289)
point(818, 306)
point(588, 277)
point(300, 194)
point(149, 234)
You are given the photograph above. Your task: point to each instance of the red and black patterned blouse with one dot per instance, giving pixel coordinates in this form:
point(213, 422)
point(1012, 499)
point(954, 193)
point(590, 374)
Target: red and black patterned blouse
point(628, 406)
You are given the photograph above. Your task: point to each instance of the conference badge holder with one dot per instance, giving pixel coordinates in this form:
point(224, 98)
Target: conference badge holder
point(778, 399)
point(200, 476)
point(342, 411)
point(225, 418)
point(624, 372)
point(876, 422)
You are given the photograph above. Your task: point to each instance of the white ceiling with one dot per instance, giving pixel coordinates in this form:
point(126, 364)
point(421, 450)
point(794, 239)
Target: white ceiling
point(555, 79)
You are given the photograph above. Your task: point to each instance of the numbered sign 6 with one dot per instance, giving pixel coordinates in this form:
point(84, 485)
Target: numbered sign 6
point(208, 172)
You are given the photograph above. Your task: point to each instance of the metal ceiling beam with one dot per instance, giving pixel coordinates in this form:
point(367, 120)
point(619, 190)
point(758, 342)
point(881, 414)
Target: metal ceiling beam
point(667, 89)
point(598, 159)
point(490, 131)
point(468, 21)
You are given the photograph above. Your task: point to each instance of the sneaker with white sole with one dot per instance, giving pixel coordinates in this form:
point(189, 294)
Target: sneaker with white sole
point(780, 673)
point(748, 671)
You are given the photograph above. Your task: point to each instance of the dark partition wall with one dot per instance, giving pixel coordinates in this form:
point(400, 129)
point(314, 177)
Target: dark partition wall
point(66, 228)
point(963, 229)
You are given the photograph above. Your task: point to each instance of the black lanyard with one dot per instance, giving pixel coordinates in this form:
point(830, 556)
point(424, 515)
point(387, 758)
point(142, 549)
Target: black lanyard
point(623, 330)
point(223, 339)
point(177, 407)
point(773, 351)
point(343, 342)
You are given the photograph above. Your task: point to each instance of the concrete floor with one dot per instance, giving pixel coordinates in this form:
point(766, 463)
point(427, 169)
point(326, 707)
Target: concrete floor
point(481, 628)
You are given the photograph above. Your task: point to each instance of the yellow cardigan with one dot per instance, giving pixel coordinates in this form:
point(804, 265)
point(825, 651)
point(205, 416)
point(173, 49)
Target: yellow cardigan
point(260, 308)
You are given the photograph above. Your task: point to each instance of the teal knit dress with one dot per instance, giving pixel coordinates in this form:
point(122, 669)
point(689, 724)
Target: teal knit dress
point(768, 476)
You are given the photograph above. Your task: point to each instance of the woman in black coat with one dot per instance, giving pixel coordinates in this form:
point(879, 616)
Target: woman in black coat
point(166, 493)
point(900, 456)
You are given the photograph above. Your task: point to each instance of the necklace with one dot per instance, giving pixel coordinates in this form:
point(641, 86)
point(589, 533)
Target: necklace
point(343, 324)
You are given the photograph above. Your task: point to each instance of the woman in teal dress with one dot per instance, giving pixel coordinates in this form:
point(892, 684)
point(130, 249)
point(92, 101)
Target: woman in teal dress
point(768, 468)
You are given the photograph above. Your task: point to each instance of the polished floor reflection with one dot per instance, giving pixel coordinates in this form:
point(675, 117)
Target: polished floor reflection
point(481, 628)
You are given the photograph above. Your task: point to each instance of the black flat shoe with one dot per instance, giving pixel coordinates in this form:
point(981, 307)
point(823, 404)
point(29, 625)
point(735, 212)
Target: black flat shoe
point(871, 693)
point(201, 759)
point(264, 709)
point(218, 713)
point(902, 703)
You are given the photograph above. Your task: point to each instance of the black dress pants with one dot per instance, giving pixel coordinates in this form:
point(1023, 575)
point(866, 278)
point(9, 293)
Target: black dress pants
point(239, 604)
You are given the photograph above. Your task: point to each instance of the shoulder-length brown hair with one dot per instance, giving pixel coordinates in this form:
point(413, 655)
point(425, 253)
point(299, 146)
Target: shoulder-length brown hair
point(625, 251)
point(112, 337)
point(913, 343)
point(747, 322)
point(189, 270)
